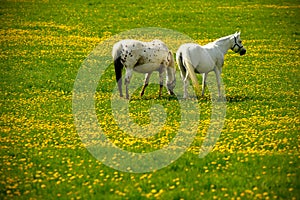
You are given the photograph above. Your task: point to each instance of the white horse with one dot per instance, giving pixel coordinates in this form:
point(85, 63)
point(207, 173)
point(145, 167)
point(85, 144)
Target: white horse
point(144, 57)
point(193, 58)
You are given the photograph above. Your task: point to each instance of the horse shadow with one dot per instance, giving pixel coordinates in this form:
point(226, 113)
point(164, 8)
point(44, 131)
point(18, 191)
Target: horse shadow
point(150, 97)
point(238, 98)
point(229, 98)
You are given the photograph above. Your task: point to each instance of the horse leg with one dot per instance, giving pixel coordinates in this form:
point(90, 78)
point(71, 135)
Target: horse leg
point(185, 84)
point(218, 77)
point(204, 77)
point(127, 80)
point(184, 73)
point(147, 78)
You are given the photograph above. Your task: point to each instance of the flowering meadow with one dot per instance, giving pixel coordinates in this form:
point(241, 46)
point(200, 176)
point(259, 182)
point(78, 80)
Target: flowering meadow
point(43, 44)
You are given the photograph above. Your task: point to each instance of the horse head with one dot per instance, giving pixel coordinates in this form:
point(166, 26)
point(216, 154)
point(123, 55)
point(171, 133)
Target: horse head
point(171, 73)
point(237, 45)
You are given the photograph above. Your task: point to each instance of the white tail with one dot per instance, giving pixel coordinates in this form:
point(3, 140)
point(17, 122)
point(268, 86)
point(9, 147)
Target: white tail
point(191, 72)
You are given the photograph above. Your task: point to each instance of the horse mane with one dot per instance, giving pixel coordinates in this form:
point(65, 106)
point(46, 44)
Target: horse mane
point(221, 40)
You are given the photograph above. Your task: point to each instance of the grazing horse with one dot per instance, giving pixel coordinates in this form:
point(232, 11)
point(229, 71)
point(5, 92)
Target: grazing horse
point(193, 58)
point(144, 57)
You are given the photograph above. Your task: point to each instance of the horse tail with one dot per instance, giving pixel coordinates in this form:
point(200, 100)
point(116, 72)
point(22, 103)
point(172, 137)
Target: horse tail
point(180, 64)
point(118, 69)
point(187, 63)
point(118, 65)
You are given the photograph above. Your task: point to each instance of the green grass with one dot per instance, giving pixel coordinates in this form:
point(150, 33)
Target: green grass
point(43, 45)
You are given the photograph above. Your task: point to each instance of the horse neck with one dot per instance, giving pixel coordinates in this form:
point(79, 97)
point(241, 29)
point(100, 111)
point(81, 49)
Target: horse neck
point(171, 72)
point(224, 44)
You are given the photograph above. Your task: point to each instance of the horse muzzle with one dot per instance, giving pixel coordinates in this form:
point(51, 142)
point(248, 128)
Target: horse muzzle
point(242, 51)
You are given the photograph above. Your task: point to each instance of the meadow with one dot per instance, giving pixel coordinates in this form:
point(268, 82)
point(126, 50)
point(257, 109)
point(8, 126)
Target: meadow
point(44, 43)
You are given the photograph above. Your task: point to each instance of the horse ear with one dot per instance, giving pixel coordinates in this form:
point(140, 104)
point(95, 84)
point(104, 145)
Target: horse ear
point(237, 34)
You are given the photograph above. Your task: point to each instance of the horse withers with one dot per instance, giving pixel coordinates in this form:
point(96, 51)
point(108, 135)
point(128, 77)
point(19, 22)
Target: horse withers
point(144, 57)
point(193, 58)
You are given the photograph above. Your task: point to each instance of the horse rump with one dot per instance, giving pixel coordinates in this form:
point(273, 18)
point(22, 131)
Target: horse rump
point(186, 68)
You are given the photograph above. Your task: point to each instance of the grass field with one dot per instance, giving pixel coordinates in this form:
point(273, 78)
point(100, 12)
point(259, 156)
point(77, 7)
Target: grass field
point(43, 44)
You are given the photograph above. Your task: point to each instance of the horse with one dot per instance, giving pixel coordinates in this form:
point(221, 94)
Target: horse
point(144, 57)
point(193, 58)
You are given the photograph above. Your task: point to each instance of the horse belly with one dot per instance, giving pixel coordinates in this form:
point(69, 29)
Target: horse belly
point(202, 60)
point(147, 67)
point(204, 66)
